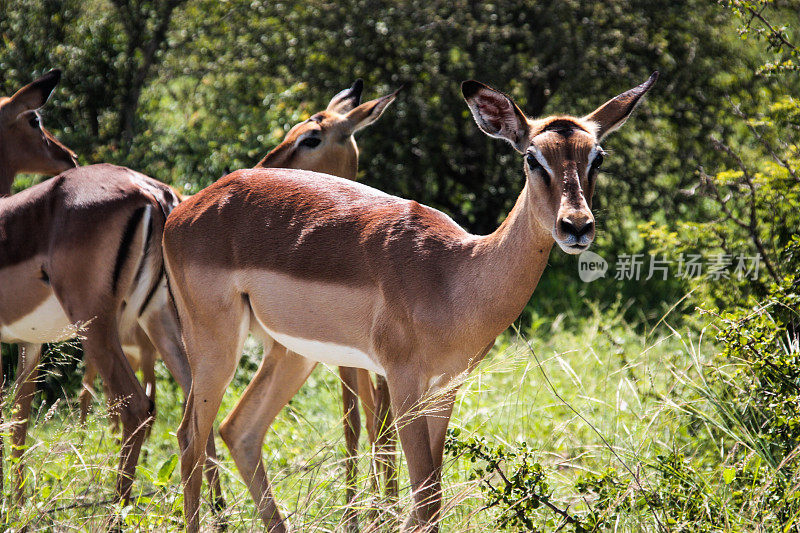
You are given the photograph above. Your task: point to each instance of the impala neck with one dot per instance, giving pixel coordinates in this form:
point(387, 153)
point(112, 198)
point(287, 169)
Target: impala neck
point(506, 265)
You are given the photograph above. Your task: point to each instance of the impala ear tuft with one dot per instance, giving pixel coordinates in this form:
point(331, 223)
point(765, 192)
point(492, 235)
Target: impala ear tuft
point(347, 99)
point(613, 114)
point(496, 114)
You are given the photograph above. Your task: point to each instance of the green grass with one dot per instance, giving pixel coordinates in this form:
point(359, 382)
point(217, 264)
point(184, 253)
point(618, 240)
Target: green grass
point(608, 384)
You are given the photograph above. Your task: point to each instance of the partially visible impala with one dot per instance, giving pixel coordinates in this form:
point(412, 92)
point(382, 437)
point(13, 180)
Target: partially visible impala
point(25, 145)
point(325, 143)
point(341, 273)
point(81, 254)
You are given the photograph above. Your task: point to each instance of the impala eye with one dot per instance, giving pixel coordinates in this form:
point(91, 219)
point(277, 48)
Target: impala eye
point(598, 161)
point(310, 142)
point(34, 121)
point(534, 165)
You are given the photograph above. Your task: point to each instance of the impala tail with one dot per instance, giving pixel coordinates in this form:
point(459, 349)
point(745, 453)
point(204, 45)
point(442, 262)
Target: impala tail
point(140, 253)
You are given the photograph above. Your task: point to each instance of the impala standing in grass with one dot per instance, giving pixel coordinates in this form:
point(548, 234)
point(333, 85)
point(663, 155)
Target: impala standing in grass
point(341, 273)
point(80, 254)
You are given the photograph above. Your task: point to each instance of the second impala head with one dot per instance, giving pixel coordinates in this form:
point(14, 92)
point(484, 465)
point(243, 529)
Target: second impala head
point(562, 156)
point(325, 142)
point(28, 146)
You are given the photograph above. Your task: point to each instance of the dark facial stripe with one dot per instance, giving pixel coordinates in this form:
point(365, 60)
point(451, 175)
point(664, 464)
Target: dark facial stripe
point(125, 246)
point(563, 127)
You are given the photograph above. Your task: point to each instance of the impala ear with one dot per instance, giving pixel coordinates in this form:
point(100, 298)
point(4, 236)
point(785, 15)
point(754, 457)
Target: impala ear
point(34, 95)
point(346, 100)
point(496, 114)
point(368, 112)
point(616, 111)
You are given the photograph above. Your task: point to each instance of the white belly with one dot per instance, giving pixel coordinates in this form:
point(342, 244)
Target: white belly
point(327, 352)
point(47, 323)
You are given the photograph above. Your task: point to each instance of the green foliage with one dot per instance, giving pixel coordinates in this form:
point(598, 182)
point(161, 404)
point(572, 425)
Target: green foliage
point(511, 479)
point(762, 345)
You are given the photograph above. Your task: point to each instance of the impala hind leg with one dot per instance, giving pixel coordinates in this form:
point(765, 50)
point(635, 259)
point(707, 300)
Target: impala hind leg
point(147, 363)
point(159, 322)
point(102, 349)
point(352, 432)
point(25, 390)
point(279, 377)
point(214, 354)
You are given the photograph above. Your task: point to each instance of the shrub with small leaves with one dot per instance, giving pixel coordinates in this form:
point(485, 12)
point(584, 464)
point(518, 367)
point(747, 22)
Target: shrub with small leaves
point(511, 480)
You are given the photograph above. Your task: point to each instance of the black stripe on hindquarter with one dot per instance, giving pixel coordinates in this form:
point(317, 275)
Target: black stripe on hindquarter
point(145, 263)
point(125, 246)
point(152, 290)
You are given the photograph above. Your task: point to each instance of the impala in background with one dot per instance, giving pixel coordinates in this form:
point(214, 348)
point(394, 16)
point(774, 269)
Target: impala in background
point(81, 254)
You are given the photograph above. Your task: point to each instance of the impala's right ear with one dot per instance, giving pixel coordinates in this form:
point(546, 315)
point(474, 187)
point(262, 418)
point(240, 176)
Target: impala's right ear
point(347, 100)
point(497, 114)
point(34, 95)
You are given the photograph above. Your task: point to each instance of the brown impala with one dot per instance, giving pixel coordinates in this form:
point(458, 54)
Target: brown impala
point(341, 273)
point(26, 146)
point(81, 253)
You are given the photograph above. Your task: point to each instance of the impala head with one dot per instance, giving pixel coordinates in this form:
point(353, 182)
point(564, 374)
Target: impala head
point(25, 145)
point(562, 155)
point(324, 142)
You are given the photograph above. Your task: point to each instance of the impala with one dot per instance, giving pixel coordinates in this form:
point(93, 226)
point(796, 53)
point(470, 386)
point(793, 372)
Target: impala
point(25, 145)
point(341, 273)
point(81, 254)
point(325, 143)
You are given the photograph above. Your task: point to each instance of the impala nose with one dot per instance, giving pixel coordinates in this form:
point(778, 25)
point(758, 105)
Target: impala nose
point(578, 228)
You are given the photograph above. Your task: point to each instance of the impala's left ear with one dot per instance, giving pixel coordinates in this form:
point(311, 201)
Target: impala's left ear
point(616, 111)
point(346, 100)
point(369, 112)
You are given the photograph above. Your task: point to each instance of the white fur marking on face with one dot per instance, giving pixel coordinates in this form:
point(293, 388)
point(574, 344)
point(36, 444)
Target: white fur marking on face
point(327, 352)
point(592, 155)
point(46, 323)
point(542, 161)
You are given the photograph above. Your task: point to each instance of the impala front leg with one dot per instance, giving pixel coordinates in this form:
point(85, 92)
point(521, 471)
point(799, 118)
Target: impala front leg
point(385, 452)
point(408, 403)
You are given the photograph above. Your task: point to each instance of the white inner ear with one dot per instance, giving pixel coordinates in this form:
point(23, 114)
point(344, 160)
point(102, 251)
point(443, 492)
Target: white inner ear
point(496, 112)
